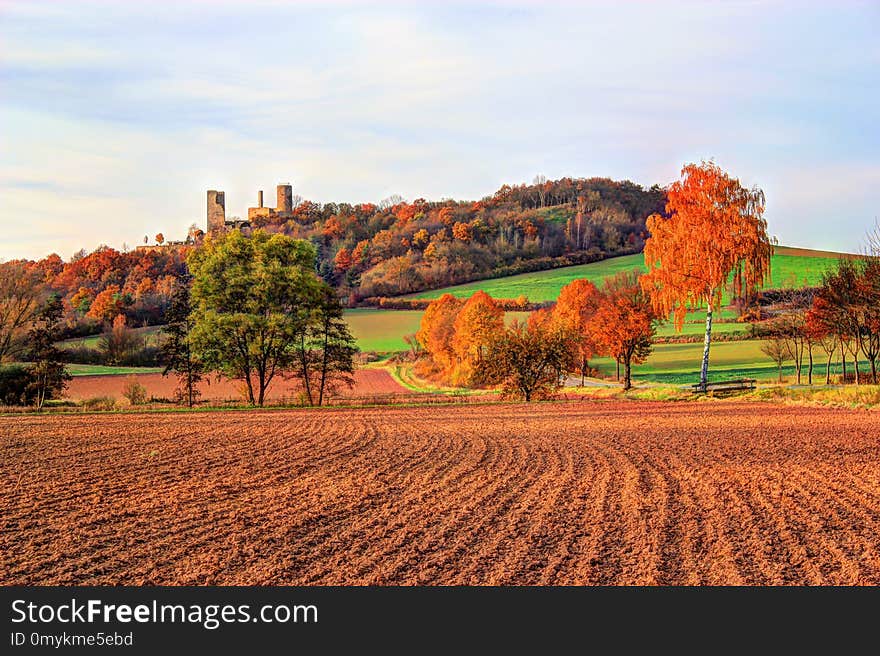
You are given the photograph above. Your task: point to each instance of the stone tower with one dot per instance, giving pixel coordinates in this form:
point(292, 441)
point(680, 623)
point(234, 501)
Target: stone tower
point(285, 199)
point(217, 211)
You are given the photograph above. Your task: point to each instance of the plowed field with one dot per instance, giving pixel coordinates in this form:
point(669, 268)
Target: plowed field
point(366, 382)
point(568, 493)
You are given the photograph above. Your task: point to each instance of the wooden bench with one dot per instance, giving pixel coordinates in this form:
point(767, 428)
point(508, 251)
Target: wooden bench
point(739, 385)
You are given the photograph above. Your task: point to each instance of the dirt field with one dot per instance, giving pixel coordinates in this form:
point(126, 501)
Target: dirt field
point(366, 382)
point(589, 492)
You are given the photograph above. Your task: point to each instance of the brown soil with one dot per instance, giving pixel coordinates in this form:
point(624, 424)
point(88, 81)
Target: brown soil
point(568, 493)
point(367, 382)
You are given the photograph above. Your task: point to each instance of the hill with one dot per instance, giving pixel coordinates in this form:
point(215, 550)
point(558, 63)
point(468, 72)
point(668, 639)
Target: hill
point(790, 267)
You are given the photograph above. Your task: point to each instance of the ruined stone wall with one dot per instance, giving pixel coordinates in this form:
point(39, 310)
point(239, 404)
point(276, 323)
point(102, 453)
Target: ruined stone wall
point(285, 199)
point(216, 211)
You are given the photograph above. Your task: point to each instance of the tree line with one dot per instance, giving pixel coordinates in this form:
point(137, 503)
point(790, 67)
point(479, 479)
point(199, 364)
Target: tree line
point(840, 318)
point(250, 308)
point(397, 247)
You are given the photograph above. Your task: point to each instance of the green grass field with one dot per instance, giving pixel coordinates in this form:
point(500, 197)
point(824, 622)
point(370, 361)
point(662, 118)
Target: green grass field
point(150, 333)
point(679, 364)
point(382, 331)
point(790, 267)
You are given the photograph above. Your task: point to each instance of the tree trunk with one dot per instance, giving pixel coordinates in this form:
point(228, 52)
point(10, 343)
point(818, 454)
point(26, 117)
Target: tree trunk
point(250, 388)
point(843, 362)
point(618, 369)
point(810, 370)
point(828, 368)
point(704, 368)
point(856, 365)
point(627, 382)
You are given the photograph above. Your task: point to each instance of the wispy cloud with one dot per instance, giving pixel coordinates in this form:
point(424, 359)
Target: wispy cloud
point(115, 117)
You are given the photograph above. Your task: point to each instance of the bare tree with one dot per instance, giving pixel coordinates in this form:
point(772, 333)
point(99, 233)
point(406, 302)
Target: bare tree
point(777, 350)
point(873, 239)
point(391, 201)
point(540, 181)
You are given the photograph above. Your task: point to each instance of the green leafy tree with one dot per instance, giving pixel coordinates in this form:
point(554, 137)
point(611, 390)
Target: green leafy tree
point(48, 372)
point(252, 301)
point(528, 361)
point(177, 351)
point(325, 351)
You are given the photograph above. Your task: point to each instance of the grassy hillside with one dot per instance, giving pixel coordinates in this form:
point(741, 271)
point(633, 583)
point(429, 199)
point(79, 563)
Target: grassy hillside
point(790, 267)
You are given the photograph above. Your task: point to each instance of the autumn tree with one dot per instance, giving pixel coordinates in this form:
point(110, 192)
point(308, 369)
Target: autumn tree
point(437, 329)
point(478, 322)
point(624, 323)
point(118, 342)
point(714, 228)
point(847, 304)
point(342, 261)
point(791, 327)
point(528, 361)
point(824, 338)
point(81, 301)
point(21, 291)
point(462, 232)
point(107, 305)
point(252, 299)
point(573, 312)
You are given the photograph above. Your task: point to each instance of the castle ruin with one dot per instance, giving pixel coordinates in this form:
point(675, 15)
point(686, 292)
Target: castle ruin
point(217, 221)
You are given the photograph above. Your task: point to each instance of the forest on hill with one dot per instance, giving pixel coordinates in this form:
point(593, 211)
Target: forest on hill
point(369, 250)
point(399, 247)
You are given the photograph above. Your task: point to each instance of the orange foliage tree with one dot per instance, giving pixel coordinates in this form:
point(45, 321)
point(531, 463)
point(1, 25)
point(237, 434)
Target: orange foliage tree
point(107, 304)
point(715, 228)
point(480, 320)
point(573, 312)
point(462, 232)
point(623, 324)
point(437, 329)
point(343, 260)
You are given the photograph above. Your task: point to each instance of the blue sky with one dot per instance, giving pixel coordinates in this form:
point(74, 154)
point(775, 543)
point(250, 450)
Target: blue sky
point(115, 118)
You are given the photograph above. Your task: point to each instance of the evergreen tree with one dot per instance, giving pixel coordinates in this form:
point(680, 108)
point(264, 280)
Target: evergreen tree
point(177, 352)
point(48, 372)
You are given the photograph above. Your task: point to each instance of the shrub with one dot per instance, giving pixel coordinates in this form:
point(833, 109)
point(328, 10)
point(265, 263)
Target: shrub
point(99, 403)
point(15, 385)
point(134, 391)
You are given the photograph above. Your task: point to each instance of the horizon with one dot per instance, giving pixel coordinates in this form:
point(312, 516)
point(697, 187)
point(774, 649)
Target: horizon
point(119, 118)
